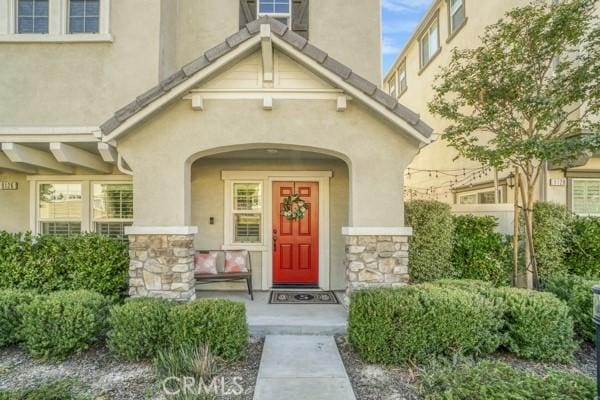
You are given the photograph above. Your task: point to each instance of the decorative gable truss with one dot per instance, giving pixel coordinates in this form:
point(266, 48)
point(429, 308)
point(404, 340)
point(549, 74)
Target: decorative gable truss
point(264, 43)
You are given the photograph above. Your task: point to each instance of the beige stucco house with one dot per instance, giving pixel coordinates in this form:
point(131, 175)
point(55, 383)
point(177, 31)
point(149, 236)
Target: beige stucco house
point(185, 124)
point(435, 173)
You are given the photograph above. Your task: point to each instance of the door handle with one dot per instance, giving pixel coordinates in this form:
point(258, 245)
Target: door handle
point(274, 240)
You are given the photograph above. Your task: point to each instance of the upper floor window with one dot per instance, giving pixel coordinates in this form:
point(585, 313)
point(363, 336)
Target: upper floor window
point(32, 16)
point(457, 15)
point(392, 86)
point(84, 16)
point(585, 196)
point(278, 9)
point(402, 81)
point(430, 42)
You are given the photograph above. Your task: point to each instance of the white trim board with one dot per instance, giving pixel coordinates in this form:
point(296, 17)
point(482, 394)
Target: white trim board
point(377, 231)
point(266, 248)
point(161, 230)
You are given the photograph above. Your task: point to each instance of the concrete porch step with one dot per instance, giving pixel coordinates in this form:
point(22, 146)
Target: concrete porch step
point(286, 319)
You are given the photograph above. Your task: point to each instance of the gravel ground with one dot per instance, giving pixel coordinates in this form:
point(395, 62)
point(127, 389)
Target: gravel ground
point(101, 376)
point(377, 382)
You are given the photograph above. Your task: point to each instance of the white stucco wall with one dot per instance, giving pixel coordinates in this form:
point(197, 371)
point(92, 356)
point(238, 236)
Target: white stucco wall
point(14, 204)
point(160, 152)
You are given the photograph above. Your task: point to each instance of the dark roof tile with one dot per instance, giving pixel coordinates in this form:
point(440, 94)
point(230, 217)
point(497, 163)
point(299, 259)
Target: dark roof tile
point(362, 84)
point(127, 111)
point(110, 125)
point(195, 66)
point(315, 53)
point(277, 27)
point(219, 50)
point(406, 114)
point(254, 26)
point(337, 67)
point(294, 39)
point(241, 36)
point(385, 99)
point(149, 96)
point(172, 81)
point(423, 128)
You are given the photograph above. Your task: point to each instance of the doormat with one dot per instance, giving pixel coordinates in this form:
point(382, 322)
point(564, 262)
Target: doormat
point(302, 297)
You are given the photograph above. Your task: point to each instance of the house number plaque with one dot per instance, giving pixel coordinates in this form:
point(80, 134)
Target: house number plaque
point(9, 185)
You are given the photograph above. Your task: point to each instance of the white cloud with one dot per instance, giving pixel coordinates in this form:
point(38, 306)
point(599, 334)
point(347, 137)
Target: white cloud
point(390, 46)
point(404, 5)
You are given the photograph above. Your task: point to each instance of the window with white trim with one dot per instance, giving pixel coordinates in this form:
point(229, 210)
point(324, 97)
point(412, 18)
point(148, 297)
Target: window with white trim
point(457, 14)
point(392, 86)
point(247, 212)
point(32, 16)
point(430, 42)
point(51, 21)
point(112, 208)
point(585, 196)
point(84, 16)
point(402, 81)
point(281, 10)
point(60, 208)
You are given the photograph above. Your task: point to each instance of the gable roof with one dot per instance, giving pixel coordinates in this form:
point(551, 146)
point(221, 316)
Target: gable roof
point(216, 57)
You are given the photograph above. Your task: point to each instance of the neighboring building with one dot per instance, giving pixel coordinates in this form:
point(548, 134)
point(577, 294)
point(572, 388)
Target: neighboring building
point(188, 123)
point(435, 173)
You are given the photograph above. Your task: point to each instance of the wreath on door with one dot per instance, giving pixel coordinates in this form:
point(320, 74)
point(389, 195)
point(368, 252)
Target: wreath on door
point(294, 207)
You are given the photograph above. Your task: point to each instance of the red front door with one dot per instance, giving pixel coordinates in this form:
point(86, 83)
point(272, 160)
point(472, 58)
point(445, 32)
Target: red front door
point(296, 243)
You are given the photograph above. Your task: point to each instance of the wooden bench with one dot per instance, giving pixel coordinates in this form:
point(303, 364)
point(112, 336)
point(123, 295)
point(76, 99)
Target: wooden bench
point(227, 276)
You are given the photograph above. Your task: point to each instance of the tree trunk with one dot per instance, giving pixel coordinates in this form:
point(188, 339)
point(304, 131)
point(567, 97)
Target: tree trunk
point(515, 277)
point(531, 262)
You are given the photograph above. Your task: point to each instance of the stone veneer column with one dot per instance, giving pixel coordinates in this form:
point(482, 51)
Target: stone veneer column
point(375, 261)
point(161, 264)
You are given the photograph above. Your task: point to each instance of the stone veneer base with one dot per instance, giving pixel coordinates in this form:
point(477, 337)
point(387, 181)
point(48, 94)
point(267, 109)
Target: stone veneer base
point(376, 262)
point(162, 265)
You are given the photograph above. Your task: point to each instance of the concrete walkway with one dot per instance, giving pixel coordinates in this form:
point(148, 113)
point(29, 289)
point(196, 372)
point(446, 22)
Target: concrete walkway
point(287, 319)
point(302, 368)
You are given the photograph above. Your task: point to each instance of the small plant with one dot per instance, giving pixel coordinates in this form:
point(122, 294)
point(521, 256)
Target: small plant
point(10, 315)
point(397, 326)
point(63, 322)
point(220, 324)
point(478, 251)
point(57, 390)
point(538, 325)
point(431, 244)
point(186, 363)
point(139, 328)
point(492, 380)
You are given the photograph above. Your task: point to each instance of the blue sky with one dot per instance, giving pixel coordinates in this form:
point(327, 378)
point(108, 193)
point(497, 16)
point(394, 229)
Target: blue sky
point(400, 18)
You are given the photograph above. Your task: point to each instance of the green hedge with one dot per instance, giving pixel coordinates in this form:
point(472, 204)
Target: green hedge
point(62, 322)
point(139, 328)
point(47, 263)
point(10, 314)
point(499, 381)
point(430, 249)
point(538, 325)
point(478, 251)
point(583, 254)
point(551, 228)
point(395, 326)
point(220, 324)
point(577, 293)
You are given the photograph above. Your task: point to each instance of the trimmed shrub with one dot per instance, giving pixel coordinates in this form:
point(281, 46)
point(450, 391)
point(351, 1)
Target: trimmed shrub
point(577, 293)
point(62, 322)
point(492, 380)
point(48, 263)
point(551, 226)
point(430, 250)
point(10, 314)
point(538, 325)
point(139, 328)
point(395, 326)
point(220, 324)
point(583, 255)
point(478, 251)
